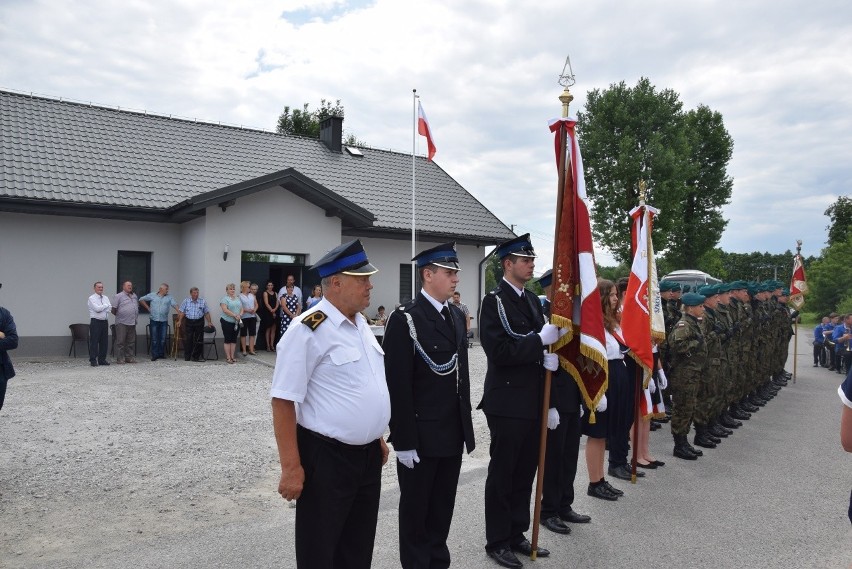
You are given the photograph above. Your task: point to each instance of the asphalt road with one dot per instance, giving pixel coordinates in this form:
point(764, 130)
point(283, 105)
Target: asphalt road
point(775, 494)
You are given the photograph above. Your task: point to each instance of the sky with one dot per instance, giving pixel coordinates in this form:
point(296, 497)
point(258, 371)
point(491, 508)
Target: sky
point(486, 71)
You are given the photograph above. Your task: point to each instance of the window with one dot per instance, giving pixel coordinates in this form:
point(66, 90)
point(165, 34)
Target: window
point(135, 266)
point(405, 282)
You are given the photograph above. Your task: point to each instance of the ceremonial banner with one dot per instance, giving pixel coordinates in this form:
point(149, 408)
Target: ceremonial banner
point(798, 284)
point(642, 319)
point(576, 303)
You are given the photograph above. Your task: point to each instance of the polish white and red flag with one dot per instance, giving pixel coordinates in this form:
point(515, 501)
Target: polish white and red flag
point(798, 284)
point(424, 130)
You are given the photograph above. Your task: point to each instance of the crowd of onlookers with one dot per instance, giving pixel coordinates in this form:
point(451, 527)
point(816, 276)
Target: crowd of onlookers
point(831, 343)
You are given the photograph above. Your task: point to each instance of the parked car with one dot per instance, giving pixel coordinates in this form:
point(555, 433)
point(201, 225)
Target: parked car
point(690, 277)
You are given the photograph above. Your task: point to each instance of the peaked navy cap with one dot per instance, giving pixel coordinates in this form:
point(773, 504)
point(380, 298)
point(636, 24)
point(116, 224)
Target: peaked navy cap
point(348, 258)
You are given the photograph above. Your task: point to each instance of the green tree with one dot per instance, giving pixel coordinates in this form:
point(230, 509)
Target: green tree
point(830, 277)
point(305, 122)
point(642, 134)
point(840, 214)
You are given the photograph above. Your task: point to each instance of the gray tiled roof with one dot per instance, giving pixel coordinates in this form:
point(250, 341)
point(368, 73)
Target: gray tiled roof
point(80, 155)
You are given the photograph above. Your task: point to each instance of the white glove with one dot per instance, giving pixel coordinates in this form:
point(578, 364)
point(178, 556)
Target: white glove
point(601, 405)
point(582, 411)
point(549, 334)
point(652, 387)
point(551, 361)
point(563, 331)
point(407, 457)
point(552, 418)
point(664, 381)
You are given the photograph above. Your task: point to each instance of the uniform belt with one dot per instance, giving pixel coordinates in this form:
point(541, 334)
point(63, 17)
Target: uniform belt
point(335, 442)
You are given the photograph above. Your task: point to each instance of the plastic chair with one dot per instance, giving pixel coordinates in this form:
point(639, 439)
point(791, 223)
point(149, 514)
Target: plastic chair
point(79, 333)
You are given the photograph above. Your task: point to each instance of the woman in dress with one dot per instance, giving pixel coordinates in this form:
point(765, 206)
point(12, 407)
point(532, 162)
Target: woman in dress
point(248, 297)
point(316, 296)
point(231, 320)
point(290, 308)
point(268, 311)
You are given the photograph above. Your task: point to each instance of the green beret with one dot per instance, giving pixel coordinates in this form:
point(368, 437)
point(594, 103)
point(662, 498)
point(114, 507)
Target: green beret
point(707, 290)
point(685, 288)
point(785, 292)
point(723, 287)
point(738, 285)
point(692, 299)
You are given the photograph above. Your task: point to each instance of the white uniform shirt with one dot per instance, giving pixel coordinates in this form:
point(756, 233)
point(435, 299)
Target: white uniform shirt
point(99, 306)
point(613, 349)
point(336, 376)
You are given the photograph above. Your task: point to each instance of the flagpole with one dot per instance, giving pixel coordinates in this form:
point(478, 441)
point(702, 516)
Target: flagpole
point(638, 377)
point(413, 184)
point(566, 97)
point(798, 258)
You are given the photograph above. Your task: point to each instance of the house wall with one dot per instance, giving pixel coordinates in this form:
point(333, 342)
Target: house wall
point(48, 265)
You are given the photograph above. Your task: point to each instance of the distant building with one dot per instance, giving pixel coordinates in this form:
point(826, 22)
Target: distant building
point(91, 193)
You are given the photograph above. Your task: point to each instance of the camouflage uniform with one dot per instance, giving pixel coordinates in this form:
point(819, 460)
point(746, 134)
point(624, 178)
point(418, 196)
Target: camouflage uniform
point(688, 352)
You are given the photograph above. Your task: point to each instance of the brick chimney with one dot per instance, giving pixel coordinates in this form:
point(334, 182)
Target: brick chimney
point(331, 133)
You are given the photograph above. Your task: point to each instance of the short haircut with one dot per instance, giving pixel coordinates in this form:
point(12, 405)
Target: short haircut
point(193, 289)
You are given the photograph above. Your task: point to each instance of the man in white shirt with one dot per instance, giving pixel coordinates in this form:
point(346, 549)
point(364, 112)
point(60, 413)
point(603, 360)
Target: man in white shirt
point(330, 408)
point(99, 309)
point(291, 280)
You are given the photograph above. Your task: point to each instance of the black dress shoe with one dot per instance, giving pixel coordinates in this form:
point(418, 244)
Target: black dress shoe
point(103, 363)
point(505, 558)
point(525, 547)
point(94, 363)
point(612, 489)
point(650, 466)
point(623, 473)
point(602, 492)
point(659, 463)
point(556, 525)
point(575, 518)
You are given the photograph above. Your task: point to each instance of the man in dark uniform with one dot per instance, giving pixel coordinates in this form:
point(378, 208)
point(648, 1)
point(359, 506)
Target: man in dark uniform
point(514, 336)
point(563, 445)
point(8, 341)
point(426, 368)
point(330, 408)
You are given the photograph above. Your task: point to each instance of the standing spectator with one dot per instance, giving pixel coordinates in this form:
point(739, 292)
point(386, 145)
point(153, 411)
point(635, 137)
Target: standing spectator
point(514, 336)
point(828, 331)
point(291, 280)
point(315, 297)
point(248, 298)
point(381, 317)
point(330, 408)
point(231, 320)
point(194, 310)
point(841, 336)
point(161, 304)
point(8, 341)
point(267, 315)
point(99, 309)
point(463, 307)
point(819, 343)
point(290, 307)
point(125, 306)
point(430, 417)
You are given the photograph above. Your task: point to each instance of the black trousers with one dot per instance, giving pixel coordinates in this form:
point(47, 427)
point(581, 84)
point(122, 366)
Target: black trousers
point(98, 339)
point(3, 382)
point(508, 487)
point(426, 502)
point(819, 354)
point(336, 514)
point(193, 339)
point(560, 466)
point(620, 396)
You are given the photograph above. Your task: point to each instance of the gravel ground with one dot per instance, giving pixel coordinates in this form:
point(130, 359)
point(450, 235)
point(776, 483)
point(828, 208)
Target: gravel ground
point(173, 464)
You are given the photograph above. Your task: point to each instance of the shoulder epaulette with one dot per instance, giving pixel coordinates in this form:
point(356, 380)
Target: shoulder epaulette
point(496, 290)
point(314, 319)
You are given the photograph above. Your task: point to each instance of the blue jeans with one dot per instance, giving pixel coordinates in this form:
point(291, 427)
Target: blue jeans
point(158, 339)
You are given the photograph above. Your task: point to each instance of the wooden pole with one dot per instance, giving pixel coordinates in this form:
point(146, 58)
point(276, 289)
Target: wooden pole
point(566, 97)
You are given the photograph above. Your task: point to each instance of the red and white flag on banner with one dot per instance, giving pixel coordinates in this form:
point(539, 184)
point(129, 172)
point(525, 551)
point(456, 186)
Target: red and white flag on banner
point(798, 284)
point(424, 130)
point(642, 319)
point(576, 303)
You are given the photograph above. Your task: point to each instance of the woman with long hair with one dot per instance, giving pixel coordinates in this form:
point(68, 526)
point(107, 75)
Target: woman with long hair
point(267, 315)
point(599, 487)
point(315, 297)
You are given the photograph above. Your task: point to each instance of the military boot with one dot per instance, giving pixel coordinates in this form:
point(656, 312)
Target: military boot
point(755, 399)
point(717, 430)
point(746, 405)
point(739, 413)
point(681, 448)
point(727, 420)
point(695, 451)
point(702, 438)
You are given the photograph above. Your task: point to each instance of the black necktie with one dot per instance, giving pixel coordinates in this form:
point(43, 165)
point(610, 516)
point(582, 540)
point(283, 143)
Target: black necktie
point(445, 312)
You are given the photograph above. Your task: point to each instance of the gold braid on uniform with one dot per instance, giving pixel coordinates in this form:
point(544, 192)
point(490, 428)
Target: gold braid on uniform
point(440, 369)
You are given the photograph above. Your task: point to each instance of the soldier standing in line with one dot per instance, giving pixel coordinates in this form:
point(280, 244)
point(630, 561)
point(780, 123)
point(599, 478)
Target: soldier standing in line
point(426, 369)
point(688, 350)
point(726, 418)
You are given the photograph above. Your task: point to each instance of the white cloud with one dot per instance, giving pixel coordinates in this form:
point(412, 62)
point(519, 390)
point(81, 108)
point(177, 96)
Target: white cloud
point(486, 72)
